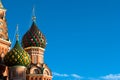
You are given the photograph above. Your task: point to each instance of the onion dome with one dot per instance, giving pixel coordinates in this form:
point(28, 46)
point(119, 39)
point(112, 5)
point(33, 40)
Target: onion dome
point(33, 38)
point(17, 56)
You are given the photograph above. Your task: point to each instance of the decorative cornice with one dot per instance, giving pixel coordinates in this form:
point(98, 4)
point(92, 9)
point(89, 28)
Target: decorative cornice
point(5, 42)
point(34, 48)
point(38, 75)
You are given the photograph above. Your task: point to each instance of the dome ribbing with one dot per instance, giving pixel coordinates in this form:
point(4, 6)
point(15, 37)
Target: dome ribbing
point(17, 56)
point(33, 38)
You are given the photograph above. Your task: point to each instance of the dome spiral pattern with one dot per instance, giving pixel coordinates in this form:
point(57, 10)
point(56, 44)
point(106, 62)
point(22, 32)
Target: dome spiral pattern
point(17, 56)
point(33, 38)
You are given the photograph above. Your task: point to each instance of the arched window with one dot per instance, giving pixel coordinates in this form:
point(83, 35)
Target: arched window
point(35, 59)
point(46, 72)
point(36, 71)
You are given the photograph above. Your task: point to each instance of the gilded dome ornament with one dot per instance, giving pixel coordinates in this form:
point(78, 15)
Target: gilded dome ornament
point(34, 37)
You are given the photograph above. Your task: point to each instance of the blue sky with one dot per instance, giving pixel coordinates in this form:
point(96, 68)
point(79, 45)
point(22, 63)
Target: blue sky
point(83, 36)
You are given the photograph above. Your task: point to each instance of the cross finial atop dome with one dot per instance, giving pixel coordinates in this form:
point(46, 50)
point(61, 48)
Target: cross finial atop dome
point(33, 14)
point(17, 34)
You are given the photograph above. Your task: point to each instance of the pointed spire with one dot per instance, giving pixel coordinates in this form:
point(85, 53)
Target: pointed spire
point(33, 14)
point(1, 5)
point(17, 34)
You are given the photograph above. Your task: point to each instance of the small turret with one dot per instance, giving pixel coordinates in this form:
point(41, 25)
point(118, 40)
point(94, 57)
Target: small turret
point(17, 60)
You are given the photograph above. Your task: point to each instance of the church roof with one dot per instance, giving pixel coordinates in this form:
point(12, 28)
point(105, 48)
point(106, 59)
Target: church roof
point(17, 56)
point(33, 38)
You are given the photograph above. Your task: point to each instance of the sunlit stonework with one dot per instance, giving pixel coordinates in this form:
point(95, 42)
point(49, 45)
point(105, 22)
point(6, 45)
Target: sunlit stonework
point(24, 62)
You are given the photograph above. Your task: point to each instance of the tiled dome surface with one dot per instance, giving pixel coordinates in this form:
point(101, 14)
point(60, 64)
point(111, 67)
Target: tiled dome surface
point(33, 38)
point(17, 56)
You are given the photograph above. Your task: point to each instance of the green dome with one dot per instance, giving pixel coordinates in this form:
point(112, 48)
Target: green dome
point(33, 38)
point(17, 56)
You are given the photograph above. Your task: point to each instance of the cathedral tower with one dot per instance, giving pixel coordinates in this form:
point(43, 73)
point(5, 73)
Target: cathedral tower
point(4, 40)
point(25, 63)
point(34, 43)
point(17, 59)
